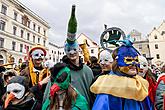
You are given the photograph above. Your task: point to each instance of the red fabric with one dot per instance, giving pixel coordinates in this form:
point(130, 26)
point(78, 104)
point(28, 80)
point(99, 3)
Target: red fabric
point(152, 88)
point(54, 88)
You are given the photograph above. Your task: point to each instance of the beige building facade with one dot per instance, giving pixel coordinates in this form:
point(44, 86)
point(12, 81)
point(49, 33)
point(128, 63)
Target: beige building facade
point(157, 43)
point(141, 43)
point(92, 47)
point(20, 29)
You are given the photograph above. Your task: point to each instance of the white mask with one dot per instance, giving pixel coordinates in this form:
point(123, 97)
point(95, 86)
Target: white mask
point(38, 53)
point(143, 65)
point(105, 57)
point(16, 89)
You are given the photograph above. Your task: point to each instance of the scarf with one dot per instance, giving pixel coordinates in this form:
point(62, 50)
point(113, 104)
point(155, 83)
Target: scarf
point(120, 86)
point(41, 75)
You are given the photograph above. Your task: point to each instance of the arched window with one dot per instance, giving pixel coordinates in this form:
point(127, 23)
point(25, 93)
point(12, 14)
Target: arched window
point(1, 59)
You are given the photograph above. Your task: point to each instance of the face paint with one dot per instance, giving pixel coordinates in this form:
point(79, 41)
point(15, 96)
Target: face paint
point(37, 54)
point(17, 89)
point(63, 78)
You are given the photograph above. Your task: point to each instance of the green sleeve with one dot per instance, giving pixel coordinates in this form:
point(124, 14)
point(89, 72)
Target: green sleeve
point(80, 104)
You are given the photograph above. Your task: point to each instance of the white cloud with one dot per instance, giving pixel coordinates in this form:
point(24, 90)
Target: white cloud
point(141, 15)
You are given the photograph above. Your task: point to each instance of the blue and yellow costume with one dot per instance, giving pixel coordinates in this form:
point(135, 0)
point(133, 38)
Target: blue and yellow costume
point(119, 90)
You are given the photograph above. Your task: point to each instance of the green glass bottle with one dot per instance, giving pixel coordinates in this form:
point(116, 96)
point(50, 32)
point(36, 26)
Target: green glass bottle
point(72, 26)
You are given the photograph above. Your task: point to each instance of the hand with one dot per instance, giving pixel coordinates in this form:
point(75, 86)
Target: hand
point(45, 80)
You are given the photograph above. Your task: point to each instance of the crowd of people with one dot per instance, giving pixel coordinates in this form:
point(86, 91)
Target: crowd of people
point(118, 80)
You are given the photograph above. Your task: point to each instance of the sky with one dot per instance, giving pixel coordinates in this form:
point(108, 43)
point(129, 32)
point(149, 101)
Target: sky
point(141, 15)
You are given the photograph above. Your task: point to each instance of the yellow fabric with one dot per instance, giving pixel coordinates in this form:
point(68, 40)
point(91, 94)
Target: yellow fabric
point(130, 88)
point(85, 51)
point(33, 75)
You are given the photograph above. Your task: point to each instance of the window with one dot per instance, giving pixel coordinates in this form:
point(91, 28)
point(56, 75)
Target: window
point(163, 32)
point(22, 19)
point(92, 51)
point(13, 45)
point(44, 32)
point(28, 36)
point(144, 55)
point(54, 59)
point(156, 46)
point(21, 47)
point(140, 46)
point(38, 29)
point(1, 59)
point(4, 9)
point(156, 37)
point(1, 42)
point(15, 16)
point(38, 40)
point(33, 39)
point(44, 42)
point(34, 27)
point(157, 56)
point(28, 24)
point(2, 25)
point(22, 33)
point(27, 48)
point(14, 30)
point(54, 52)
point(147, 46)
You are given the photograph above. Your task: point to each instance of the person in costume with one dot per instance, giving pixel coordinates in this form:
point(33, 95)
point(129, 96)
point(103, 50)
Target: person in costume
point(147, 74)
point(95, 66)
point(105, 60)
point(81, 74)
point(62, 95)
point(18, 95)
point(122, 88)
point(160, 94)
point(2, 91)
point(35, 72)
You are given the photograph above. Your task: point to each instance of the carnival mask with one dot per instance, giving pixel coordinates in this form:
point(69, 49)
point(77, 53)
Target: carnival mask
point(143, 66)
point(63, 78)
point(37, 54)
point(127, 56)
point(71, 48)
point(127, 60)
point(105, 57)
point(16, 89)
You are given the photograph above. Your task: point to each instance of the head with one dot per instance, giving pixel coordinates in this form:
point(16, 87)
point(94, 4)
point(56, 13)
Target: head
point(163, 69)
point(143, 66)
point(126, 60)
point(37, 54)
point(8, 75)
point(16, 89)
point(72, 50)
point(105, 60)
point(60, 77)
point(93, 59)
